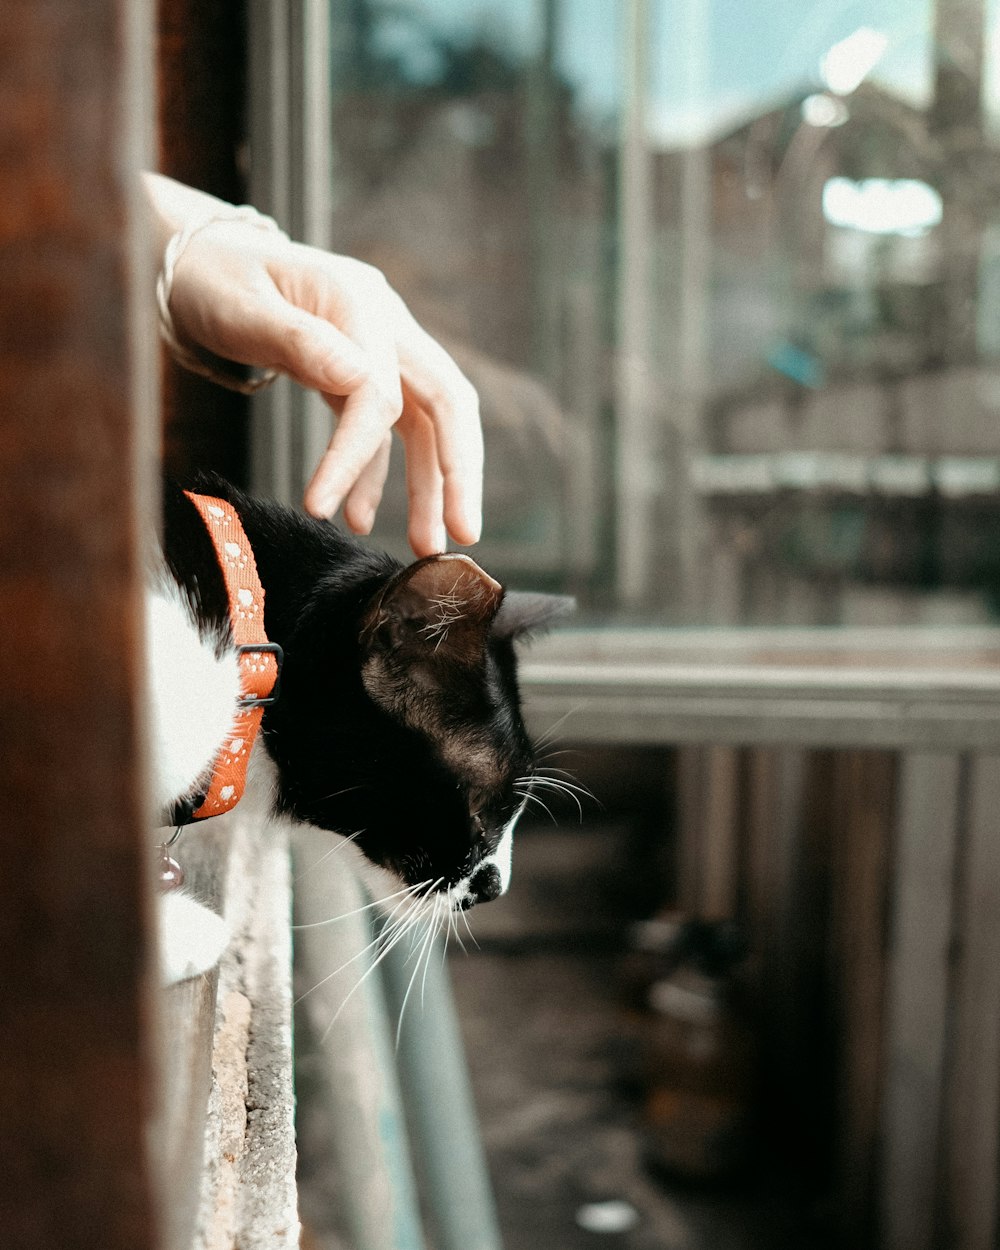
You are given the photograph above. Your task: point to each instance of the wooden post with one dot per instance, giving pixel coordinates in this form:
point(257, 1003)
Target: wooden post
point(200, 128)
point(634, 480)
point(863, 800)
point(972, 1125)
point(75, 350)
point(917, 998)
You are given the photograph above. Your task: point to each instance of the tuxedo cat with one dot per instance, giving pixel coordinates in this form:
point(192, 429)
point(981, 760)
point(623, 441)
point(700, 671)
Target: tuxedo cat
point(398, 723)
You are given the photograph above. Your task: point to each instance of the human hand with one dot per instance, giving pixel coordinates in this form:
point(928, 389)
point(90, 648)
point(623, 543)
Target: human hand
point(335, 325)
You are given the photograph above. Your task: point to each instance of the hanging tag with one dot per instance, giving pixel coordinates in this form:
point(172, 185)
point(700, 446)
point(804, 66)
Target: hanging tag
point(169, 873)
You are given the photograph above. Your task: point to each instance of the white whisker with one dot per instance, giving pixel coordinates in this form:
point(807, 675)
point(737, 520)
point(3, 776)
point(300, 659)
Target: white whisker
point(567, 778)
point(399, 933)
point(345, 838)
point(346, 790)
point(556, 781)
point(428, 939)
point(561, 774)
point(552, 755)
point(533, 798)
point(454, 925)
point(449, 930)
point(547, 783)
point(468, 926)
point(544, 739)
point(363, 951)
point(440, 901)
point(379, 902)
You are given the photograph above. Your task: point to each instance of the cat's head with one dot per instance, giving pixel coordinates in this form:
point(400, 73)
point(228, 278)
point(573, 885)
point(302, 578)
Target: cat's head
point(401, 726)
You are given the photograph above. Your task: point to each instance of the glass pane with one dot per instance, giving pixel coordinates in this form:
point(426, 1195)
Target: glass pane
point(727, 277)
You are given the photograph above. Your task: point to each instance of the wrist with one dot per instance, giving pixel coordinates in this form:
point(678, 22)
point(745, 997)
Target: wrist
point(172, 205)
point(192, 356)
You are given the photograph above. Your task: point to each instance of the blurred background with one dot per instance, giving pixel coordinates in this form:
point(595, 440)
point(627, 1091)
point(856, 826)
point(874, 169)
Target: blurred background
point(726, 276)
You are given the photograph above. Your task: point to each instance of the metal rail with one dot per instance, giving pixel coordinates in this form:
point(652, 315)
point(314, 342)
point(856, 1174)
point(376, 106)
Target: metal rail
point(851, 688)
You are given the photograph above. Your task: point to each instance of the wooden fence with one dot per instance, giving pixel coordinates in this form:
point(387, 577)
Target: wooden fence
point(839, 793)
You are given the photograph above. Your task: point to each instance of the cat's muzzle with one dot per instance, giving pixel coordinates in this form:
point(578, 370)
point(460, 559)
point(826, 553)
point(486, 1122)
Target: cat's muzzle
point(484, 886)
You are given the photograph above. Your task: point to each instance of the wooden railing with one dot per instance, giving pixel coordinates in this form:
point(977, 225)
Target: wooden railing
point(838, 793)
point(78, 1077)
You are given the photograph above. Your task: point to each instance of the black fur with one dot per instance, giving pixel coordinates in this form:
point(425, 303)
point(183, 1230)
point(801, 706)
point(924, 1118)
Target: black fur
point(393, 724)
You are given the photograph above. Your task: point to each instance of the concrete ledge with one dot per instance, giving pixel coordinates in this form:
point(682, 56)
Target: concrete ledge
point(247, 1183)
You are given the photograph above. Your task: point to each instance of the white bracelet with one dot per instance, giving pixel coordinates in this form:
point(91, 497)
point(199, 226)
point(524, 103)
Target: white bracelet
point(226, 373)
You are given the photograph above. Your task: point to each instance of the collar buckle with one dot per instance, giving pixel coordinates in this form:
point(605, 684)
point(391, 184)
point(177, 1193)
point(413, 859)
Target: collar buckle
point(262, 648)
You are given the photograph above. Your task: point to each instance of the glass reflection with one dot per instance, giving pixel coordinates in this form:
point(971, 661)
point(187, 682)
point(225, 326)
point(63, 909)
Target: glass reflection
point(726, 277)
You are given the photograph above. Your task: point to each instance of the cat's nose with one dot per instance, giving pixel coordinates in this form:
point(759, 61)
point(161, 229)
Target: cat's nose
point(485, 884)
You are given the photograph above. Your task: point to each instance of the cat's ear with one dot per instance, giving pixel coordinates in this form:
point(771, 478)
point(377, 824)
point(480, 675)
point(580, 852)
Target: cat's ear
point(441, 607)
point(524, 614)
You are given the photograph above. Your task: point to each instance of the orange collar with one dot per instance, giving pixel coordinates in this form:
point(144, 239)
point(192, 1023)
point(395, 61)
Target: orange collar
point(259, 660)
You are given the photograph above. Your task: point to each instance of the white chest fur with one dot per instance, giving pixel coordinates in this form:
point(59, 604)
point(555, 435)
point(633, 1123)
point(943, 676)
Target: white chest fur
point(192, 693)
point(192, 696)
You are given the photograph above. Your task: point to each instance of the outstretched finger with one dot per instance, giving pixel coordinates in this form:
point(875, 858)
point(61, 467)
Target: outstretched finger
point(367, 417)
point(424, 485)
point(433, 381)
point(366, 494)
